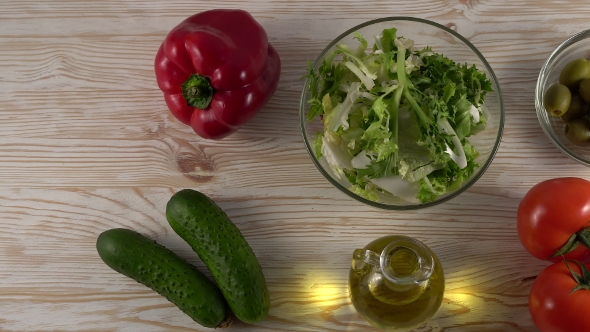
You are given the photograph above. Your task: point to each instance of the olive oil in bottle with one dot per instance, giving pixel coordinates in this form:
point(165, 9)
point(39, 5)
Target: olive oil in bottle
point(396, 283)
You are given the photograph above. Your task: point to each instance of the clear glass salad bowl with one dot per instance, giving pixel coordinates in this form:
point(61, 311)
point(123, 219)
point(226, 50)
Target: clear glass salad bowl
point(369, 189)
point(577, 46)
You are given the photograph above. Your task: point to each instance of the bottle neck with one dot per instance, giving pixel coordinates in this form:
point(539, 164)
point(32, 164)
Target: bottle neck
point(406, 261)
point(399, 274)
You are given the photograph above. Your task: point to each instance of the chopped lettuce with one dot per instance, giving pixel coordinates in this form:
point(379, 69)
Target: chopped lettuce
point(396, 118)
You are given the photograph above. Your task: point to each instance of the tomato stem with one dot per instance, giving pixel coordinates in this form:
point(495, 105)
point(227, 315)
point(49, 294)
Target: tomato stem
point(582, 280)
point(584, 237)
point(572, 243)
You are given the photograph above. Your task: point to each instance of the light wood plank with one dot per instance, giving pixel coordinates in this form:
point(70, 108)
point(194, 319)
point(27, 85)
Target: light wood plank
point(87, 145)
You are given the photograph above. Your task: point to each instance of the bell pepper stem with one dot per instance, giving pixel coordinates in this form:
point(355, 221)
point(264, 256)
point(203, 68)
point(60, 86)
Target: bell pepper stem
point(197, 91)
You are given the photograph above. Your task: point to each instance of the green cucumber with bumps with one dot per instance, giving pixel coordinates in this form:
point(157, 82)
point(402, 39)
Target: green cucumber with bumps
point(224, 250)
point(160, 269)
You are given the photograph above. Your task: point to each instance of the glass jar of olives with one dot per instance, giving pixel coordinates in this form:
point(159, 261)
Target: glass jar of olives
point(568, 65)
point(569, 99)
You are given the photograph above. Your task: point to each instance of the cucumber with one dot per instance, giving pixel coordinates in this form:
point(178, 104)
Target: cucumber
point(223, 249)
point(153, 265)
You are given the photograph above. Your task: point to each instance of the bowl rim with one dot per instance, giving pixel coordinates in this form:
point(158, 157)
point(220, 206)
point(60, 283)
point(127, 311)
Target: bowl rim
point(542, 116)
point(467, 184)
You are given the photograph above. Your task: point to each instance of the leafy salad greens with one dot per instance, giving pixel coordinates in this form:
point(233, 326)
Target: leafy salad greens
point(396, 119)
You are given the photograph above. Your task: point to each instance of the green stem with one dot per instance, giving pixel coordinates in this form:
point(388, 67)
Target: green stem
point(397, 97)
point(582, 280)
point(584, 237)
point(403, 81)
point(394, 121)
point(197, 91)
point(419, 111)
point(581, 237)
point(401, 67)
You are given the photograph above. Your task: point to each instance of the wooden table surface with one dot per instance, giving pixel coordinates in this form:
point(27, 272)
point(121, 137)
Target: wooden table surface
point(87, 144)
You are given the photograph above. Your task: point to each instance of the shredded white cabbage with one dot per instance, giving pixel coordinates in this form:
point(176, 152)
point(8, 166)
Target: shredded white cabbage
point(368, 82)
point(361, 160)
point(336, 157)
point(398, 187)
point(474, 113)
point(459, 158)
point(342, 110)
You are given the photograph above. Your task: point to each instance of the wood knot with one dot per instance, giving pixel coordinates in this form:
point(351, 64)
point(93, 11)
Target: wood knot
point(198, 169)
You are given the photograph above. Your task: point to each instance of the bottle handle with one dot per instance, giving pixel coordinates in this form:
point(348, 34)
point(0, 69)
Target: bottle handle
point(362, 257)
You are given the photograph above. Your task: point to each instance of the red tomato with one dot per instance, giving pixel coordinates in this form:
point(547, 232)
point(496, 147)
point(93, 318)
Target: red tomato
point(552, 306)
point(548, 215)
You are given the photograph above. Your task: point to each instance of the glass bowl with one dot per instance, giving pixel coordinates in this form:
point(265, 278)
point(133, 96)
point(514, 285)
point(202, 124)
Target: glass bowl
point(577, 46)
point(444, 41)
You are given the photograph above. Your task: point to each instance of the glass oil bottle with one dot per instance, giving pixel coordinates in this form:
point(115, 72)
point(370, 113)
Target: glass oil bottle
point(396, 283)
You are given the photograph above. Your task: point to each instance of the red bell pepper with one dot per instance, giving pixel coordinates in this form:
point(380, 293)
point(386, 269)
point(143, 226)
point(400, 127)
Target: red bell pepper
point(217, 70)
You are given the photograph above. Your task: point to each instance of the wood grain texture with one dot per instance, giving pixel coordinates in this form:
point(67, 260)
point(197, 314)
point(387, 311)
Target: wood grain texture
point(87, 145)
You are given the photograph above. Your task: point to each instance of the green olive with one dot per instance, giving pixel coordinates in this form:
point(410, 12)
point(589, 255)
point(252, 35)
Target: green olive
point(557, 99)
point(585, 90)
point(578, 108)
point(574, 72)
point(578, 131)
